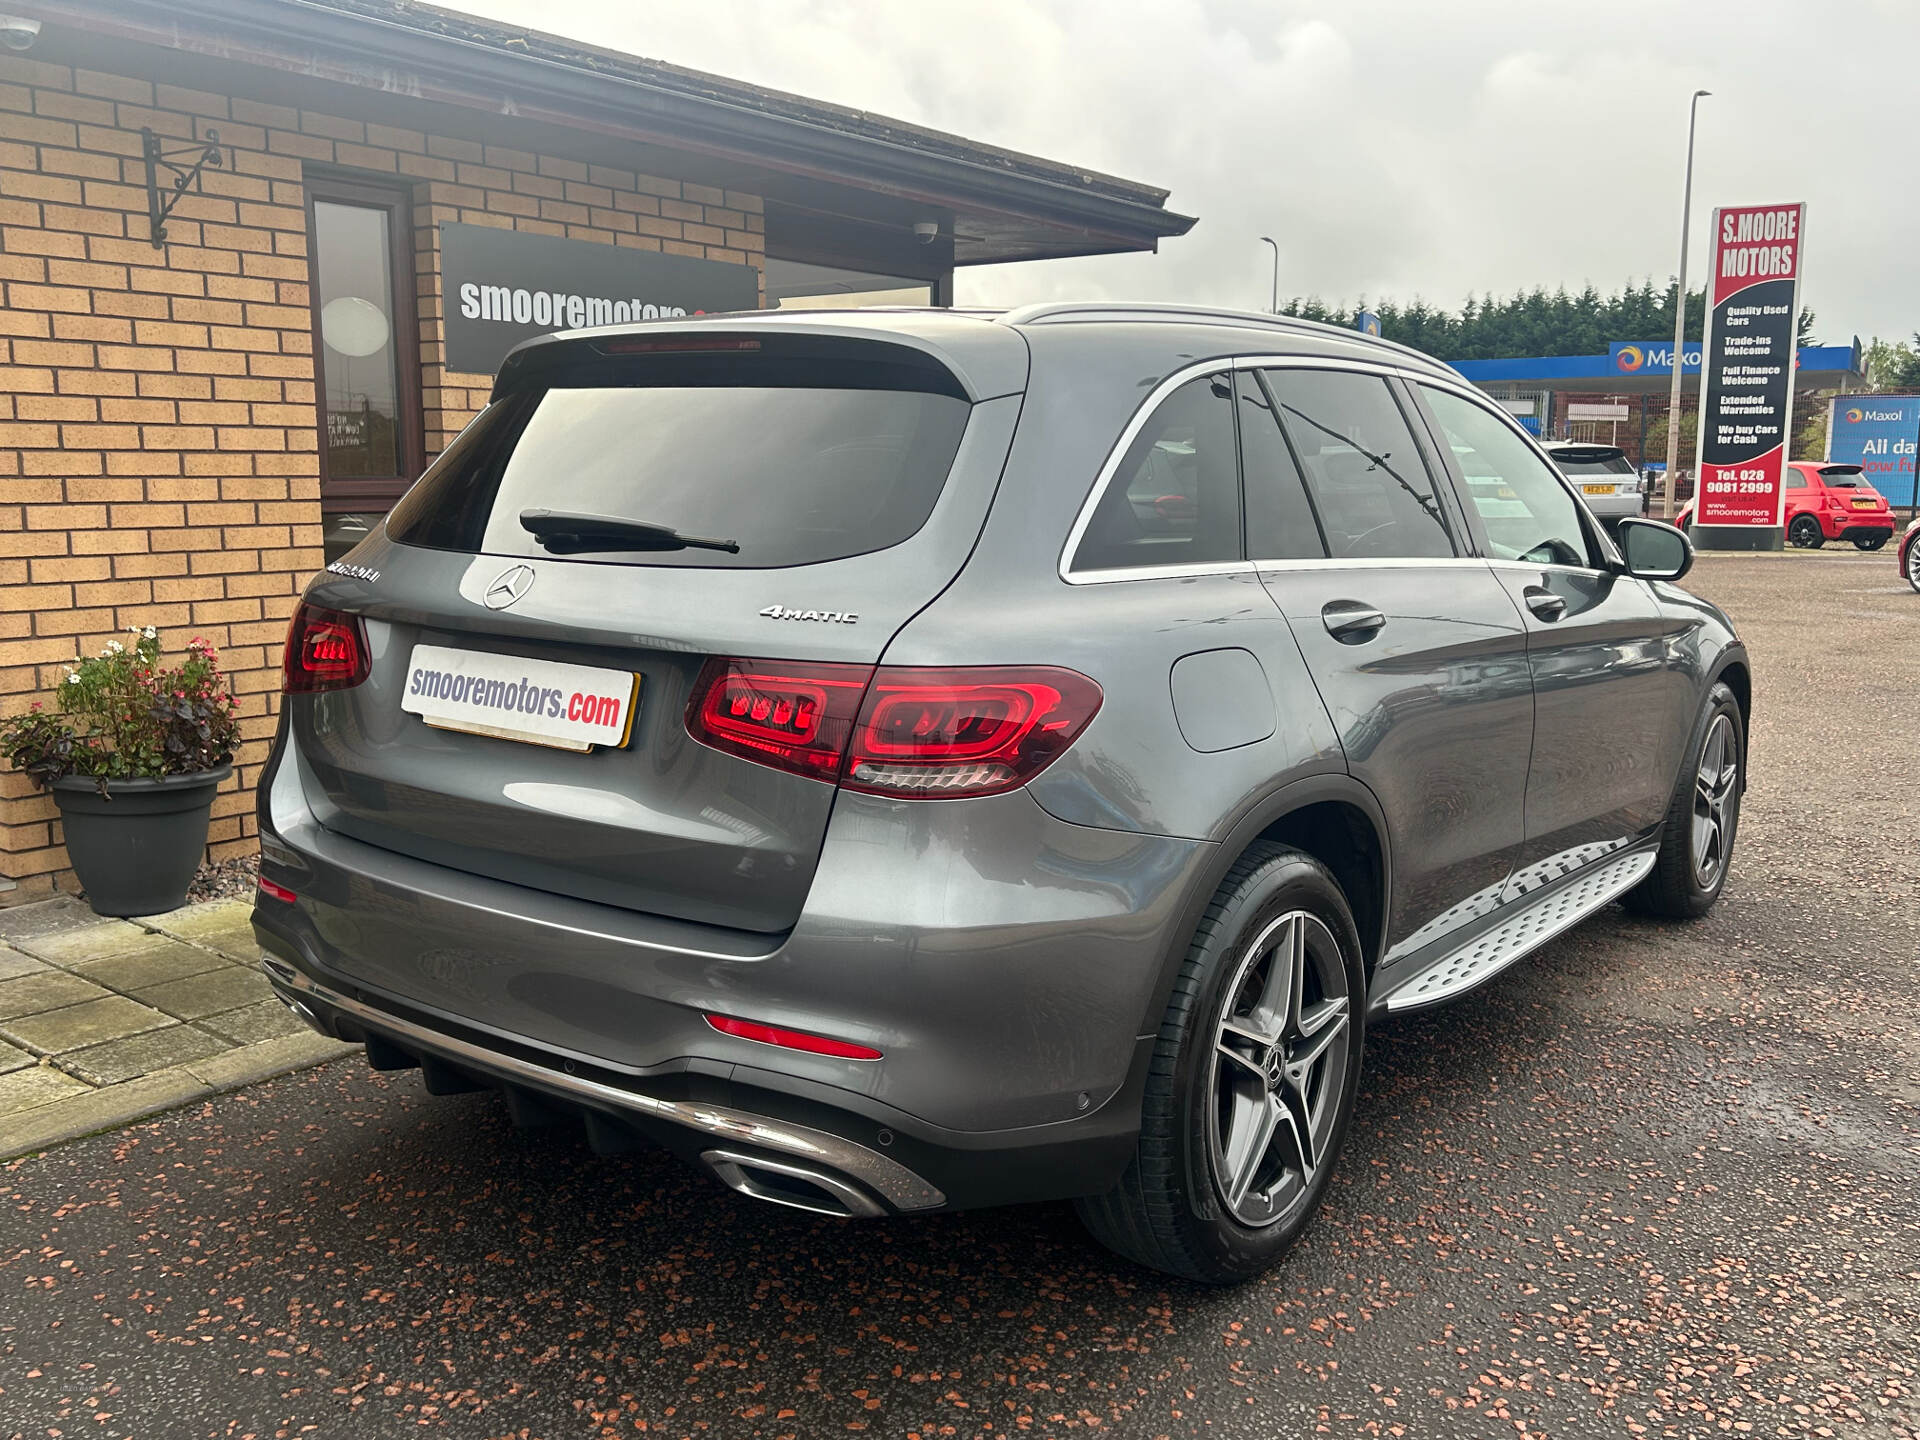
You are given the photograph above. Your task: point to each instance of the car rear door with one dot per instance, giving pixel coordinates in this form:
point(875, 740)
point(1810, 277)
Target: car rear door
point(1416, 647)
point(1612, 691)
point(852, 476)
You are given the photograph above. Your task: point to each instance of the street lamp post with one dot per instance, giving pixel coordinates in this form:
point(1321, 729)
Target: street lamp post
point(1680, 314)
point(1276, 272)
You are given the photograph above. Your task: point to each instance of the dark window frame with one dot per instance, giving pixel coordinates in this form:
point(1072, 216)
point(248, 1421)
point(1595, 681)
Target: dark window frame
point(358, 493)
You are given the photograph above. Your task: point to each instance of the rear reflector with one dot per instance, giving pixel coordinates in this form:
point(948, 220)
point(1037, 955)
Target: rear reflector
point(910, 732)
point(791, 1039)
point(271, 891)
point(326, 650)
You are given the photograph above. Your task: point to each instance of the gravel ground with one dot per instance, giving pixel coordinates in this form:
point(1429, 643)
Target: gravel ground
point(1653, 1181)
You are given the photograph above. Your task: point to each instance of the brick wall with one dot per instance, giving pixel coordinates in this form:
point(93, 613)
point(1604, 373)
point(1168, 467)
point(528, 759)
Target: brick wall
point(158, 441)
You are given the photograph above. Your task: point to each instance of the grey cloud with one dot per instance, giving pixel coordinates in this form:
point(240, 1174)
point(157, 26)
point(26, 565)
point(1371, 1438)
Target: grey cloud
point(1429, 147)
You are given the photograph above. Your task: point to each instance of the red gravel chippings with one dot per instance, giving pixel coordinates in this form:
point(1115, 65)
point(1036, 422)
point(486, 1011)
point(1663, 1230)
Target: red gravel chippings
point(1654, 1181)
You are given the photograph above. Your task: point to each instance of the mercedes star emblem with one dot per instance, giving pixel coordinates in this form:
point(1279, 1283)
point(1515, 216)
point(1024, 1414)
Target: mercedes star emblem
point(511, 585)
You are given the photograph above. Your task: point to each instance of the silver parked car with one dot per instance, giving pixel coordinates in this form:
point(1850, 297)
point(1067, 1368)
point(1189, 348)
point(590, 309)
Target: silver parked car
point(905, 760)
point(1604, 476)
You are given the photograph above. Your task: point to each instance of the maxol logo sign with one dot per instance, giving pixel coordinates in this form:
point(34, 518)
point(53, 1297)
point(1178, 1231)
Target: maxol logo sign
point(1879, 433)
point(1650, 358)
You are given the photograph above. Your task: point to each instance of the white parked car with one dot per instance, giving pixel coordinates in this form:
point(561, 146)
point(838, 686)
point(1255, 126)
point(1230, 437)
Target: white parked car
point(1605, 477)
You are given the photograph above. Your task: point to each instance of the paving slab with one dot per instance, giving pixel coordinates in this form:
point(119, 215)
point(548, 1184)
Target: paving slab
point(15, 963)
point(52, 1032)
point(225, 925)
point(37, 1086)
point(72, 943)
point(13, 1058)
point(45, 990)
point(165, 959)
point(44, 917)
point(265, 1021)
point(136, 1055)
point(209, 993)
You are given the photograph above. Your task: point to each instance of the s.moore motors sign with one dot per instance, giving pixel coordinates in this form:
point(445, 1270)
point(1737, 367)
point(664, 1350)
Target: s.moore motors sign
point(502, 287)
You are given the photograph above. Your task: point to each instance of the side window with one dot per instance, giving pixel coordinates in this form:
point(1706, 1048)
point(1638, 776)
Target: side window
point(1280, 519)
point(1370, 488)
point(1528, 513)
point(1796, 480)
point(1175, 500)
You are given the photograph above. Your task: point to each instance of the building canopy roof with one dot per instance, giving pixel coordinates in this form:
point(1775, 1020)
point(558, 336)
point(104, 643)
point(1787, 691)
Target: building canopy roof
point(527, 90)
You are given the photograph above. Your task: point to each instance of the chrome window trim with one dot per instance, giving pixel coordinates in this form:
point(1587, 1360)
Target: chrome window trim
point(1385, 562)
point(1138, 422)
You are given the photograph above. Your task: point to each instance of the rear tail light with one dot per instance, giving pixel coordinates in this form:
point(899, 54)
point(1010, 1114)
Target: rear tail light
point(271, 891)
point(326, 650)
point(793, 717)
point(928, 732)
point(905, 731)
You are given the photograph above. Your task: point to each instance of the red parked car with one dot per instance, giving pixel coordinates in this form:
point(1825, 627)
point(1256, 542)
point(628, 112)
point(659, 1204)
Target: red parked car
point(1910, 554)
point(1829, 502)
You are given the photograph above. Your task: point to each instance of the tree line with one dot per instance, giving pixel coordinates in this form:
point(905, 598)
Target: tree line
point(1528, 322)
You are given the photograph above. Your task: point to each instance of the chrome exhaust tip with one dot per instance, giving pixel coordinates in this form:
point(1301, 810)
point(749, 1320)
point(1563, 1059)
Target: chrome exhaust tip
point(785, 1182)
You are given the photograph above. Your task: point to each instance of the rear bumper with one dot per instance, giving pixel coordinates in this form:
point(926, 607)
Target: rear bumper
point(1002, 961)
point(1612, 507)
point(1856, 527)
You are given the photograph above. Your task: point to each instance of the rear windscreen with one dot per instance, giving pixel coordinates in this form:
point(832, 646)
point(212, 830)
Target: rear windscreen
point(1579, 462)
point(793, 474)
point(1844, 479)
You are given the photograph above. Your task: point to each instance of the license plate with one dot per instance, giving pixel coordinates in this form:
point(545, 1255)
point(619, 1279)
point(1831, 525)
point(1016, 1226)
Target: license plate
point(540, 702)
point(1863, 504)
point(1597, 489)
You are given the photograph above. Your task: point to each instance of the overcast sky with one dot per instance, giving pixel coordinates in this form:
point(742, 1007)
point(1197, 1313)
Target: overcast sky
point(1392, 147)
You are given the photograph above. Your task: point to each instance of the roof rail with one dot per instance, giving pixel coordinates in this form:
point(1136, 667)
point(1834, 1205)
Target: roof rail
point(1050, 312)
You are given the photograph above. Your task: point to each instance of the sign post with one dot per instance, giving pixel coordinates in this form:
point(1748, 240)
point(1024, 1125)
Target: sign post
point(1746, 405)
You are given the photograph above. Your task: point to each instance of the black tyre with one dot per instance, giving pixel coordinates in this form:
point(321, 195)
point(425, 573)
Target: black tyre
point(1913, 562)
point(1703, 820)
point(1872, 542)
point(1805, 532)
point(1252, 1081)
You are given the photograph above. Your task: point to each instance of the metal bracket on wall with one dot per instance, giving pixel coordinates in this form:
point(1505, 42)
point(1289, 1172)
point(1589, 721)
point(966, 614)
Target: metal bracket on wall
point(183, 176)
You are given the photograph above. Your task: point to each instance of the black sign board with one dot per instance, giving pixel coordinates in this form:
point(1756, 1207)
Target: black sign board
point(502, 287)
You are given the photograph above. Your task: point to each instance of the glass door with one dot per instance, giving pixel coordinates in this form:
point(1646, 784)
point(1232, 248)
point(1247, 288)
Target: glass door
point(366, 353)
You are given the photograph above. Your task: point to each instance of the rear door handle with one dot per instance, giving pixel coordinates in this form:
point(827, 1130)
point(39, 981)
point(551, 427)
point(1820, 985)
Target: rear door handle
point(1544, 603)
point(1351, 621)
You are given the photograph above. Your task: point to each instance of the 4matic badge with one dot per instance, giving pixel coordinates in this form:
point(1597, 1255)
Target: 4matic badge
point(787, 612)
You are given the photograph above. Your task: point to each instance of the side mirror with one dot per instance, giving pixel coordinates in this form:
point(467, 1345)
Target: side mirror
point(1653, 550)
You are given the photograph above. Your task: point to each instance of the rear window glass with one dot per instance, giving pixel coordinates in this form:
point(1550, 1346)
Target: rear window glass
point(1585, 462)
point(792, 474)
point(1844, 479)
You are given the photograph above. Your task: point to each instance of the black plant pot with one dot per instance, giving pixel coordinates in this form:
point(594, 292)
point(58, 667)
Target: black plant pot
point(136, 848)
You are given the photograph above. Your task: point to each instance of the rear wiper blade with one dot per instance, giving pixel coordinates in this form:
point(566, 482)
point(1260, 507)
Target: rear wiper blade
point(567, 533)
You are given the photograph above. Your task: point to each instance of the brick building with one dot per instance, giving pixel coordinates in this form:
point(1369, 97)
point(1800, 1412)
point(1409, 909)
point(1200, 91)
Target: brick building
point(192, 420)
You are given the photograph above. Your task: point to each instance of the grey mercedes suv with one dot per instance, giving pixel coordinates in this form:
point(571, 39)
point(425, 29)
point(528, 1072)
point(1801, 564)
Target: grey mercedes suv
point(905, 760)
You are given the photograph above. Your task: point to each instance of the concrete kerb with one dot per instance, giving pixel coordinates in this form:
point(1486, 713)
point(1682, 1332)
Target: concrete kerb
point(113, 1106)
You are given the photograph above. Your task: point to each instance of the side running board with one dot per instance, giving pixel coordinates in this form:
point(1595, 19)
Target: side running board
point(1534, 921)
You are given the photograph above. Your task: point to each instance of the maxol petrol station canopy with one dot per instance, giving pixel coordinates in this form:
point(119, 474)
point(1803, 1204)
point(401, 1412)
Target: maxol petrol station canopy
point(1638, 368)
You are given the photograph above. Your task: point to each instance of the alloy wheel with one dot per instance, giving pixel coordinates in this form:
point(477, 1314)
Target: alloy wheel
point(1913, 563)
point(1805, 532)
point(1714, 787)
point(1278, 1069)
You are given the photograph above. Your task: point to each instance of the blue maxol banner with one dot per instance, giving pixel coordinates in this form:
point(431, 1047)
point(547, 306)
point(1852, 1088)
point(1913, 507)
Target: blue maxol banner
point(1878, 433)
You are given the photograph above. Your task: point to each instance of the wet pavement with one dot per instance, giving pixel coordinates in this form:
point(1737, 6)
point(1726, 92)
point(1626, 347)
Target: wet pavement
point(1654, 1180)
